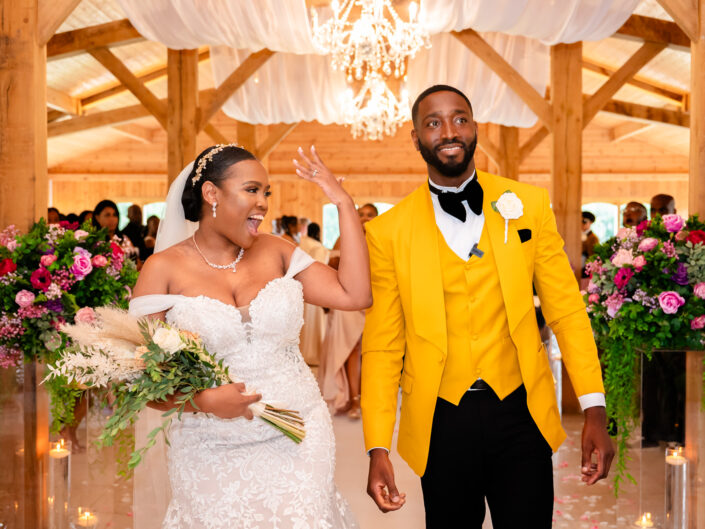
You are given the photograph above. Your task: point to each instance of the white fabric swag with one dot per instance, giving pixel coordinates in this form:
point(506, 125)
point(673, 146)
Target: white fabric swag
point(297, 84)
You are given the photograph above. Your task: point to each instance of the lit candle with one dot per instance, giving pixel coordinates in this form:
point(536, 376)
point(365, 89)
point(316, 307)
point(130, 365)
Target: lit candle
point(675, 456)
point(86, 518)
point(644, 521)
point(59, 450)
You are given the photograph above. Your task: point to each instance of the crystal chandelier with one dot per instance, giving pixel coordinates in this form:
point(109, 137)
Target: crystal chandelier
point(378, 41)
point(375, 110)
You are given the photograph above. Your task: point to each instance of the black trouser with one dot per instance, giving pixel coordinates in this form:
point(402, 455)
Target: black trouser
point(487, 448)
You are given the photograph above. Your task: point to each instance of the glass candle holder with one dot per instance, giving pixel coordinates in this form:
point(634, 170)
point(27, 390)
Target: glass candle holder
point(58, 484)
point(644, 520)
point(675, 512)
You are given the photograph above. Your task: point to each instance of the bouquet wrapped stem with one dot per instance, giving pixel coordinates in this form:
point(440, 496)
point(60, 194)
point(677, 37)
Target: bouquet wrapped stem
point(145, 361)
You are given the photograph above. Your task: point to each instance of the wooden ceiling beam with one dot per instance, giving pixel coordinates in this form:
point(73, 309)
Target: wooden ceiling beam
point(99, 119)
point(58, 100)
point(234, 81)
point(508, 74)
point(118, 88)
point(685, 14)
point(487, 146)
point(115, 66)
point(638, 27)
point(670, 94)
point(215, 134)
point(529, 145)
point(51, 14)
point(645, 113)
point(277, 134)
point(628, 130)
point(636, 62)
point(70, 43)
point(135, 132)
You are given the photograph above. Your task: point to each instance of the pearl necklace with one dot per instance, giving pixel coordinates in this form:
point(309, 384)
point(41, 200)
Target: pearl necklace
point(232, 265)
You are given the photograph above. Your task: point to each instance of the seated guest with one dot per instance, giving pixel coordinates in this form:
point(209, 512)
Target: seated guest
point(106, 215)
point(662, 205)
point(151, 237)
point(590, 240)
point(633, 214)
point(134, 229)
point(85, 215)
point(53, 216)
point(290, 228)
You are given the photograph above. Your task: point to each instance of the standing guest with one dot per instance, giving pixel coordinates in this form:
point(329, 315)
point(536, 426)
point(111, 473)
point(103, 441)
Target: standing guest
point(53, 216)
point(453, 324)
point(151, 236)
point(134, 229)
point(85, 215)
point(303, 227)
point(633, 214)
point(290, 229)
point(313, 331)
point(106, 215)
point(662, 205)
point(339, 372)
point(590, 240)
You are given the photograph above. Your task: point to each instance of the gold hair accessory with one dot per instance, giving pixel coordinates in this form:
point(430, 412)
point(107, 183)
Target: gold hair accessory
point(208, 158)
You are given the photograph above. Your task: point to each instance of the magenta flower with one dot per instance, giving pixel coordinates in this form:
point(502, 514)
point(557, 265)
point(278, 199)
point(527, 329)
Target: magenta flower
point(670, 301)
point(40, 279)
point(673, 223)
point(24, 298)
point(648, 244)
point(81, 265)
point(669, 249)
point(697, 323)
point(699, 290)
point(641, 227)
point(622, 277)
point(593, 298)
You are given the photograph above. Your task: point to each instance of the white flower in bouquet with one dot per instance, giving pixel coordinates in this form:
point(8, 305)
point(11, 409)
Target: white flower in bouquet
point(168, 340)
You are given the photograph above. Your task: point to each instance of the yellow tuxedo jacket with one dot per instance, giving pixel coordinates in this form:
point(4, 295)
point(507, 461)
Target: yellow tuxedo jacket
point(405, 339)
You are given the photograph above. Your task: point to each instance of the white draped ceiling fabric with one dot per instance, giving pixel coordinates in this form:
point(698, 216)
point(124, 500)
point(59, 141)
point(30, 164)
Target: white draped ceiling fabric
point(298, 84)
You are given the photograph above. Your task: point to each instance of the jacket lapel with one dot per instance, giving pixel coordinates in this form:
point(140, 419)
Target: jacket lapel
point(511, 265)
point(427, 300)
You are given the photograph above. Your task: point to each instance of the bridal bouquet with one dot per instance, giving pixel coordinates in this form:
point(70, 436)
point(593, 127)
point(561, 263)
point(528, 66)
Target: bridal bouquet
point(144, 360)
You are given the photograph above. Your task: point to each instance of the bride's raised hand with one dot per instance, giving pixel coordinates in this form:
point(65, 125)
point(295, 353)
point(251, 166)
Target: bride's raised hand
point(313, 169)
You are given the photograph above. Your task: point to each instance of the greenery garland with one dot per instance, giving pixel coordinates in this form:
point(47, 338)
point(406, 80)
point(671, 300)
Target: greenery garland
point(646, 293)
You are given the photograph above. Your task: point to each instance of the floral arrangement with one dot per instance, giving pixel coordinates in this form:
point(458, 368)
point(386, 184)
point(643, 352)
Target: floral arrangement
point(646, 292)
point(144, 360)
point(52, 275)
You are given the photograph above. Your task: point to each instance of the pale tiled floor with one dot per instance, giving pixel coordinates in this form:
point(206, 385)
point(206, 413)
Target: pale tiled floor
point(94, 487)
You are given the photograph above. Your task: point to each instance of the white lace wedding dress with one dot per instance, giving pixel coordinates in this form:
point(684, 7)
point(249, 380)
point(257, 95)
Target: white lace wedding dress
point(235, 473)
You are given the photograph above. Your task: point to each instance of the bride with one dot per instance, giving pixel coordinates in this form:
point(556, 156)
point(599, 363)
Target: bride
point(243, 293)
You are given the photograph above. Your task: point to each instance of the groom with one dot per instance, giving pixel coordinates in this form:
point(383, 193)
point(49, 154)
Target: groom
point(453, 324)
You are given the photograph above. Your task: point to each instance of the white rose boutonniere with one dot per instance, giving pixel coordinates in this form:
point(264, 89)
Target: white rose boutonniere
point(168, 340)
point(510, 207)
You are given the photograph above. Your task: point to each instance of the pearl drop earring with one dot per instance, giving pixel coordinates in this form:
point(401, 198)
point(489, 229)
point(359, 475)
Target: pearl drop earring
point(214, 206)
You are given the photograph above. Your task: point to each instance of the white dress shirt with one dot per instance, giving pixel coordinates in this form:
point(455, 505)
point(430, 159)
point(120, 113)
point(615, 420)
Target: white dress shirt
point(462, 236)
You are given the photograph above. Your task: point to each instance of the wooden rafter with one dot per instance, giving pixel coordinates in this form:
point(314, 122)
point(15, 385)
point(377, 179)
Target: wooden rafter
point(684, 12)
point(487, 146)
point(628, 129)
point(215, 134)
point(529, 145)
point(63, 102)
point(670, 94)
point(275, 137)
point(655, 30)
point(136, 132)
point(234, 81)
point(247, 136)
point(105, 57)
point(648, 114)
point(78, 41)
point(643, 55)
point(51, 15)
point(508, 74)
point(118, 88)
point(99, 119)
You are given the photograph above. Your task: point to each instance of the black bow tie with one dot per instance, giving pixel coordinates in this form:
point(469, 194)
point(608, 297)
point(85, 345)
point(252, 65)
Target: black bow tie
point(452, 203)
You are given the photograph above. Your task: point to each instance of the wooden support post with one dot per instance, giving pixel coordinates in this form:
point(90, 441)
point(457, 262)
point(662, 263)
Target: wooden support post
point(509, 152)
point(696, 190)
point(182, 112)
point(24, 193)
point(566, 167)
point(695, 438)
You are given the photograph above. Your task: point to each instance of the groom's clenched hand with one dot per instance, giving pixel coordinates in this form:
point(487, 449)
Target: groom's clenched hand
point(380, 482)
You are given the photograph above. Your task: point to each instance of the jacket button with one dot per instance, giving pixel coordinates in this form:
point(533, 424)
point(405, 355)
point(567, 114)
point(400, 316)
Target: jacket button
point(474, 337)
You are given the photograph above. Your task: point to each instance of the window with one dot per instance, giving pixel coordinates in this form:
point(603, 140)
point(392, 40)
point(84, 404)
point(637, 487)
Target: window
point(331, 229)
point(154, 208)
point(607, 219)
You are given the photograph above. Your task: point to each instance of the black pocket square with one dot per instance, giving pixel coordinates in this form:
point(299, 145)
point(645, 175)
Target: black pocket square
point(524, 235)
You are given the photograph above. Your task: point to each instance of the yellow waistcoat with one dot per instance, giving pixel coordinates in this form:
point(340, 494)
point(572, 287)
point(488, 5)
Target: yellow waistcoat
point(479, 345)
point(406, 337)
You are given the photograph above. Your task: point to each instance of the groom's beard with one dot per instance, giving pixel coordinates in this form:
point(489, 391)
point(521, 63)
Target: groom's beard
point(450, 169)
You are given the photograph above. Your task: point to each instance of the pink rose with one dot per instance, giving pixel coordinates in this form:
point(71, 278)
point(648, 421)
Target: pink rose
point(648, 244)
point(47, 260)
point(80, 234)
point(639, 262)
point(81, 266)
point(673, 223)
point(622, 257)
point(592, 287)
point(681, 236)
point(670, 301)
point(12, 245)
point(697, 323)
point(613, 303)
point(85, 315)
point(699, 290)
point(24, 298)
point(99, 261)
point(593, 298)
